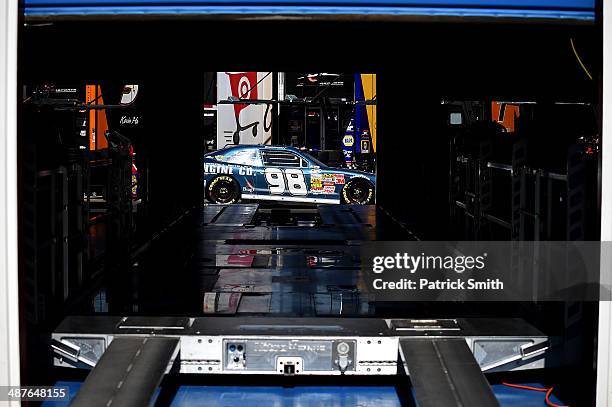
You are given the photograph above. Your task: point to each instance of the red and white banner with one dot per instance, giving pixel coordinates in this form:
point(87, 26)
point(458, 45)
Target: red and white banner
point(244, 123)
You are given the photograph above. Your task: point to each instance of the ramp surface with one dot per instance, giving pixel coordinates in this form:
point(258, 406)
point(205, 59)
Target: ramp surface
point(444, 373)
point(128, 373)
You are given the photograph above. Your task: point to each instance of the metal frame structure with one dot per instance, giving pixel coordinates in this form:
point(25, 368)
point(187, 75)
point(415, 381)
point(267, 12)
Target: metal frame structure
point(471, 196)
point(9, 302)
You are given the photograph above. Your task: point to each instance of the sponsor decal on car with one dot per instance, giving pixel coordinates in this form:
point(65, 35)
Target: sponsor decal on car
point(316, 183)
point(319, 184)
point(248, 187)
point(289, 180)
point(325, 183)
point(336, 179)
point(227, 169)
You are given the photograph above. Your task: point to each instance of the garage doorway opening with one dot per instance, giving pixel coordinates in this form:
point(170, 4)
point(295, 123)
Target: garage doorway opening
point(290, 137)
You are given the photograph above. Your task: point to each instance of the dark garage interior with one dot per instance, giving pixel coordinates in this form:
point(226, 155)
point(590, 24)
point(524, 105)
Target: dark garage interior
point(448, 167)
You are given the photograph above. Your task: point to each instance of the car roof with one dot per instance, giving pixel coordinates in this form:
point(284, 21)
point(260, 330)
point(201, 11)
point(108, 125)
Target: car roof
point(259, 146)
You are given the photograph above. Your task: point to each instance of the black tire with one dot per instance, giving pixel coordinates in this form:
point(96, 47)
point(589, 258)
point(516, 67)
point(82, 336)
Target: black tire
point(223, 190)
point(359, 191)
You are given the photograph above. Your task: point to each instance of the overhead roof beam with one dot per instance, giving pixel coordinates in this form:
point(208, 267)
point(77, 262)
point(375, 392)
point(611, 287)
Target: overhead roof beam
point(574, 11)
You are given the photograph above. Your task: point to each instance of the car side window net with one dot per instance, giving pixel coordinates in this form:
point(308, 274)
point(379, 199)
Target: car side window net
point(281, 159)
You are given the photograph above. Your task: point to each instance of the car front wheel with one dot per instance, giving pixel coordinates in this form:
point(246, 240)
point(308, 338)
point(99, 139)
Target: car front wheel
point(223, 190)
point(359, 191)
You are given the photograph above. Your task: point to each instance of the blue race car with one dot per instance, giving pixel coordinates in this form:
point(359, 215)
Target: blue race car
point(279, 173)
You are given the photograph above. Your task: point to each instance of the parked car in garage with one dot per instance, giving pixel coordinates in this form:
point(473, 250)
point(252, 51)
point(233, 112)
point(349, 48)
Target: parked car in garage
point(280, 173)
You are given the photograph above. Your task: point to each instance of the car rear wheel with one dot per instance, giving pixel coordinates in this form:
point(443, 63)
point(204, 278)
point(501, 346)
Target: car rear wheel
point(223, 190)
point(359, 191)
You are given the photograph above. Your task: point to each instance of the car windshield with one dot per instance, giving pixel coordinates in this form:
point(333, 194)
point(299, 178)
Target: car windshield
point(226, 152)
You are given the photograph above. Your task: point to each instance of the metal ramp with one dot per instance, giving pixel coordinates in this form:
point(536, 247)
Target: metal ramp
point(443, 358)
point(128, 373)
point(229, 215)
point(444, 372)
point(344, 215)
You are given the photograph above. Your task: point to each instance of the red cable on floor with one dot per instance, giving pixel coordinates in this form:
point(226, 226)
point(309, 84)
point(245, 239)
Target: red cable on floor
point(547, 390)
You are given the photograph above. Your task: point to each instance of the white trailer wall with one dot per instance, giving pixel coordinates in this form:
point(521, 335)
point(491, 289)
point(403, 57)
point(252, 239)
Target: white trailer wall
point(604, 344)
point(9, 305)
